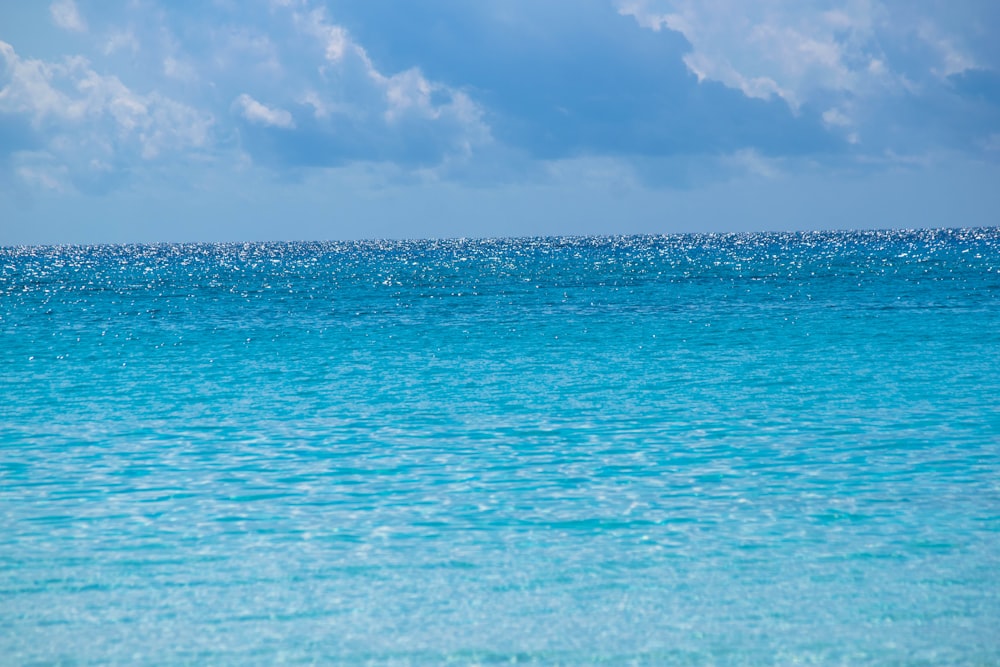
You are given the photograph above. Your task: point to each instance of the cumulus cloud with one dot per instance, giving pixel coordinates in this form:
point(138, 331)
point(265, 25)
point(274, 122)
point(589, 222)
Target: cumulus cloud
point(445, 88)
point(299, 88)
point(406, 93)
point(178, 69)
point(807, 50)
point(255, 112)
point(63, 94)
point(751, 161)
point(766, 48)
point(120, 40)
point(333, 37)
point(88, 120)
point(861, 64)
point(343, 107)
point(245, 49)
point(66, 15)
point(953, 59)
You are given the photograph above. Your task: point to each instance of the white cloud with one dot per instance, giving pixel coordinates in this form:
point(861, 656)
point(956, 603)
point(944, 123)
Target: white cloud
point(334, 37)
point(772, 48)
point(952, 59)
point(44, 177)
point(180, 70)
point(293, 70)
point(66, 15)
point(28, 90)
point(321, 108)
point(852, 62)
point(749, 161)
point(835, 117)
point(352, 88)
point(247, 50)
point(90, 118)
point(255, 112)
point(723, 71)
point(809, 50)
point(840, 118)
point(120, 40)
point(408, 92)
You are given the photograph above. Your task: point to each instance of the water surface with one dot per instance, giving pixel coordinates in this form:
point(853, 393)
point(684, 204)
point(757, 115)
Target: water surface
point(728, 449)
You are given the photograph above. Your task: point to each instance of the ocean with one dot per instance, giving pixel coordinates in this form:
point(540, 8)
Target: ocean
point(734, 449)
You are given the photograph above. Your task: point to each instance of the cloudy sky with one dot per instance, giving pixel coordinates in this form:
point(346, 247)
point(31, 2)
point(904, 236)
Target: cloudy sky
point(138, 120)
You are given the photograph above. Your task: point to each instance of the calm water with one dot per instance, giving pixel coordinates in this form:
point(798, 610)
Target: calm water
point(730, 450)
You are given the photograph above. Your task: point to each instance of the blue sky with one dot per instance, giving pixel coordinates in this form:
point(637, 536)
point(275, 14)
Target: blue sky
point(302, 119)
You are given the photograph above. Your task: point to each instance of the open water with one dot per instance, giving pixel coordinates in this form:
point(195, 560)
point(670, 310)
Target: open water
point(709, 450)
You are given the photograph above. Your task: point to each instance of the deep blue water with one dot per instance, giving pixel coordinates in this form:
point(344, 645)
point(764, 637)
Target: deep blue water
point(728, 449)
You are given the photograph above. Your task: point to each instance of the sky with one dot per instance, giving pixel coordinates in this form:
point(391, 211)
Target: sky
point(252, 120)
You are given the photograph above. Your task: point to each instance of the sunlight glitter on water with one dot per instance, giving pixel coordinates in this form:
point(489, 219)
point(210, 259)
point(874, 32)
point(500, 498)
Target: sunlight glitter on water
point(727, 449)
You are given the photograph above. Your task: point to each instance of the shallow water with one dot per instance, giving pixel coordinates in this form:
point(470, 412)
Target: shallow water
point(729, 449)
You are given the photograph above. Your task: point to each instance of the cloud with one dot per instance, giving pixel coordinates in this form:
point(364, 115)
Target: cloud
point(770, 48)
point(333, 37)
point(806, 51)
point(871, 69)
point(86, 121)
point(179, 69)
point(952, 59)
point(66, 15)
point(255, 112)
point(59, 96)
point(493, 90)
point(301, 93)
point(245, 49)
point(343, 107)
point(120, 40)
point(565, 85)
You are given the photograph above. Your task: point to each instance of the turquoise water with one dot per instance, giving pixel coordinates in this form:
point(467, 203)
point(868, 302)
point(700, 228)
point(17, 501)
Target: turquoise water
point(729, 449)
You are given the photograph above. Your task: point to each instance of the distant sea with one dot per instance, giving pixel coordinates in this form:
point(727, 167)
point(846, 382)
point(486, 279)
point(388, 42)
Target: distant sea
point(745, 449)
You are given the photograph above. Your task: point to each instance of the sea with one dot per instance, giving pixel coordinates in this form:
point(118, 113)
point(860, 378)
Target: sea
point(721, 449)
